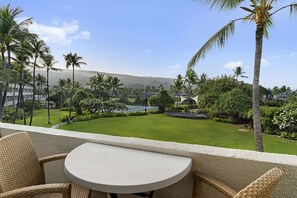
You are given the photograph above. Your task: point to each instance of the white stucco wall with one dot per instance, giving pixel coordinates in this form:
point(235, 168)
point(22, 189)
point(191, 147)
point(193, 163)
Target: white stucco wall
point(237, 168)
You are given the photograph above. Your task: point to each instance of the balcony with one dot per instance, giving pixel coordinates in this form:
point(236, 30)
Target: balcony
point(237, 168)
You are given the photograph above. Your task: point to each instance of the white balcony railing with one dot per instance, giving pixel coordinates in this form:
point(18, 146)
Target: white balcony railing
point(237, 168)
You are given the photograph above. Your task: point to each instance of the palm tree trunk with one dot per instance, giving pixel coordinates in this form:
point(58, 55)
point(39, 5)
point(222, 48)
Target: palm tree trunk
point(20, 92)
point(48, 110)
point(256, 95)
point(34, 90)
point(1, 87)
point(6, 85)
point(72, 93)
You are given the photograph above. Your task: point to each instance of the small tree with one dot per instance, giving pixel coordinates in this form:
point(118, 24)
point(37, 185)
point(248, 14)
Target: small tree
point(77, 98)
point(234, 104)
point(162, 100)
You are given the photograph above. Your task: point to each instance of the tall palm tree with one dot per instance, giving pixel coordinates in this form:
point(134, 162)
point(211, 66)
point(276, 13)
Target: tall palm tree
point(48, 62)
point(40, 81)
point(22, 55)
point(238, 72)
point(75, 61)
point(10, 31)
point(38, 49)
point(178, 85)
point(260, 12)
point(191, 79)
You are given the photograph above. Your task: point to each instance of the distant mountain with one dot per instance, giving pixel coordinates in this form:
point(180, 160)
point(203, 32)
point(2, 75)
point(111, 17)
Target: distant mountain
point(83, 77)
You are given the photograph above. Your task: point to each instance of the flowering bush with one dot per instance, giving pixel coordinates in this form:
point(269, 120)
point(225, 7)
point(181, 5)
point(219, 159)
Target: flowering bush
point(286, 118)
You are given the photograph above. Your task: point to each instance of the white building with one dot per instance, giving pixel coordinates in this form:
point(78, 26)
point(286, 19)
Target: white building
point(13, 92)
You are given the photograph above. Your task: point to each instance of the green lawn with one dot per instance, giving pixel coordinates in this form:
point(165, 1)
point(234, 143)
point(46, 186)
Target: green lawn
point(204, 132)
point(40, 117)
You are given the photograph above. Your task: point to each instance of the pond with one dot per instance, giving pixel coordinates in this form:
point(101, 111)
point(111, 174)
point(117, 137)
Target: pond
point(141, 108)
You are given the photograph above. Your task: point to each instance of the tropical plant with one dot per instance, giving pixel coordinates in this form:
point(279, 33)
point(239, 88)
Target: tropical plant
point(10, 31)
point(238, 72)
point(260, 12)
point(72, 60)
point(162, 100)
point(97, 83)
point(233, 104)
point(78, 97)
point(38, 49)
point(178, 85)
point(48, 62)
point(191, 79)
point(40, 81)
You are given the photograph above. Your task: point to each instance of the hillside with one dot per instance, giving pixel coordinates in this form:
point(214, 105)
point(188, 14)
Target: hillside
point(83, 77)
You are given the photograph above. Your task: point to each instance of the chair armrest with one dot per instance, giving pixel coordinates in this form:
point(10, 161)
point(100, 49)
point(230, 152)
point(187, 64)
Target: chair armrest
point(64, 188)
point(226, 190)
point(52, 158)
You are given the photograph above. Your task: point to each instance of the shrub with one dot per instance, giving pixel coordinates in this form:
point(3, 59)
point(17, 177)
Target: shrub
point(28, 104)
point(234, 104)
point(286, 118)
point(9, 112)
point(267, 115)
point(140, 113)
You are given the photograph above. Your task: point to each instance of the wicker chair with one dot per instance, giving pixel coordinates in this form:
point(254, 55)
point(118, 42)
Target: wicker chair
point(260, 188)
point(22, 173)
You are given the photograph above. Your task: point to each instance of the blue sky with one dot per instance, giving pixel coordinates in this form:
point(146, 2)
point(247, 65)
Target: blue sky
point(158, 37)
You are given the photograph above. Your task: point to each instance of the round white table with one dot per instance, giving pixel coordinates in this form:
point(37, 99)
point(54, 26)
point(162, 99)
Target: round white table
point(115, 169)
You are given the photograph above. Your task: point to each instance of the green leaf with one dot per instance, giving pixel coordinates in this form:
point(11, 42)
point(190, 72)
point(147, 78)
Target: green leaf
point(247, 9)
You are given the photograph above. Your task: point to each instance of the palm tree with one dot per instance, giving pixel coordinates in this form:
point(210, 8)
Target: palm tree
point(260, 12)
point(38, 49)
point(40, 81)
point(178, 85)
point(10, 31)
point(48, 62)
point(191, 79)
point(75, 61)
point(238, 72)
point(61, 85)
point(97, 83)
point(114, 84)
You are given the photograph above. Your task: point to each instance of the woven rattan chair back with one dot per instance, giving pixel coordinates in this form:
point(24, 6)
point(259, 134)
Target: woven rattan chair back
point(19, 165)
point(263, 186)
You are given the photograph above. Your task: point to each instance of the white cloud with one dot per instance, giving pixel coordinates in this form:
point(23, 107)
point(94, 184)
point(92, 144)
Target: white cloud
point(233, 64)
point(265, 63)
point(59, 31)
point(174, 66)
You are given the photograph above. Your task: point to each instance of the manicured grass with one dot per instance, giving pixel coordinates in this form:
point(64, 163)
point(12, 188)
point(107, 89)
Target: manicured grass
point(40, 117)
point(204, 132)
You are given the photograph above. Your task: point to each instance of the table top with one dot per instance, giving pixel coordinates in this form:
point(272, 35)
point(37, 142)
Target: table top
point(115, 169)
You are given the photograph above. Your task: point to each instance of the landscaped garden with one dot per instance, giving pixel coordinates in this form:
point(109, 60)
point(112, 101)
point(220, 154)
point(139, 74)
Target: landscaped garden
point(204, 132)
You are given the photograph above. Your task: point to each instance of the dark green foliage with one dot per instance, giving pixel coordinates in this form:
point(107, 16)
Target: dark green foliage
point(233, 104)
point(77, 98)
point(8, 113)
point(140, 113)
point(267, 115)
point(28, 104)
point(162, 100)
point(94, 105)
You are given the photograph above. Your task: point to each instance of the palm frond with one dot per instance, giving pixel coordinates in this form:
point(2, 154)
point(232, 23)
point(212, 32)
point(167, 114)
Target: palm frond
point(268, 24)
point(218, 39)
point(293, 8)
point(224, 4)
